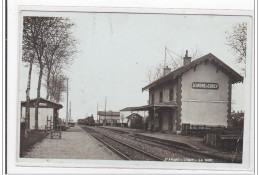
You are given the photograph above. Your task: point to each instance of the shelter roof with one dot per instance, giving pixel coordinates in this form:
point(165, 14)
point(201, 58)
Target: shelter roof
point(234, 76)
point(44, 103)
point(133, 115)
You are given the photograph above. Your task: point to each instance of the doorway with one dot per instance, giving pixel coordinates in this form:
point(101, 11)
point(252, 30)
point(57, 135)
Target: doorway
point(170, 119)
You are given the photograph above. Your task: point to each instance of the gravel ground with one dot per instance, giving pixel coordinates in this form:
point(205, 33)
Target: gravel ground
point(74, 144)
point(194, 142)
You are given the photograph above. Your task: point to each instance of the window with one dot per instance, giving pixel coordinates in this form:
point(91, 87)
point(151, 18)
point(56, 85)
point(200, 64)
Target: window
point(161, 97)
point(171, 94)
point(152, 100)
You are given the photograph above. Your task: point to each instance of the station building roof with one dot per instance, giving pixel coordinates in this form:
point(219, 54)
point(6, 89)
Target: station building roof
point(44, 103)
point(133, 116)
point(151, 106)
point(234, 76)
point(108, 113)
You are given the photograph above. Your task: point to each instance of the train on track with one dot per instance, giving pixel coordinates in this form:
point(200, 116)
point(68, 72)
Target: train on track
point(89, 121)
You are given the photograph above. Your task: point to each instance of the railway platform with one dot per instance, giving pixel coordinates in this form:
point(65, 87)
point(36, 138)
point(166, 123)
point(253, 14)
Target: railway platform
point(189, 142)
point(126, 130)
point(186, 141)
point(74, 144)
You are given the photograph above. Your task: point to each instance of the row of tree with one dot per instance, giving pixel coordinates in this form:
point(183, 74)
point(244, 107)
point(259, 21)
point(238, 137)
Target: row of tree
point(49, 45)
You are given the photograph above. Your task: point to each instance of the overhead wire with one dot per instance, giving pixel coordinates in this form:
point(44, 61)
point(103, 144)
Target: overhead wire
point(174, 53)
point(172, 58)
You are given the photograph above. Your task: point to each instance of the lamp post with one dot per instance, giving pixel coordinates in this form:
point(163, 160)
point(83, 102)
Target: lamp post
point(105, 111)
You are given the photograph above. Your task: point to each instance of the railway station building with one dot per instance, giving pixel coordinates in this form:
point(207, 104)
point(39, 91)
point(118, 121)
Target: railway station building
point(47, 110)
point(198, 93)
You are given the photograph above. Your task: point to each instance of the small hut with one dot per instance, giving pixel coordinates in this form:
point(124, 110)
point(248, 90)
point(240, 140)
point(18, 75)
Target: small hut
point(47, 114)
point(135, 121)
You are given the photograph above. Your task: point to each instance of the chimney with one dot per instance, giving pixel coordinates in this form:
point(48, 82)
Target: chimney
point(186, 59)
point(166, 70)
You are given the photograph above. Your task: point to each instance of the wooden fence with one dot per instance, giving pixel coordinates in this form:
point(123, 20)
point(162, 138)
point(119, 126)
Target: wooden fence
point(216, 136)
point(201, 130)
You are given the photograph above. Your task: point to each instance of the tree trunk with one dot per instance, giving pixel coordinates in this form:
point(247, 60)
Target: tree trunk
point(38, 97)
point(27, 110)
point(53, 86)
point(48, 85)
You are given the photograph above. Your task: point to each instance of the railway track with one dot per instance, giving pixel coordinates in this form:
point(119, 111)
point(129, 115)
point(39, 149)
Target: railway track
point(188, 151)
point(195, 154)
point(124, 150)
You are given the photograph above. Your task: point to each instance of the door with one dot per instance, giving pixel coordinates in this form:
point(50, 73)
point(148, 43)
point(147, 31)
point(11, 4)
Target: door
point(170, 119)
point(160, 121)
point(174, 122)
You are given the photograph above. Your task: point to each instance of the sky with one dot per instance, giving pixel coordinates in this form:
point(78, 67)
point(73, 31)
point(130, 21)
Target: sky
point(116, 50)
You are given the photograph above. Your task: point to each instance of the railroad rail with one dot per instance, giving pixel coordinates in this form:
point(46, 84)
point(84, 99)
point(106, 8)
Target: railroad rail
point(189, 151)
point(178, 148)
point(115, 130)
point(124, 150)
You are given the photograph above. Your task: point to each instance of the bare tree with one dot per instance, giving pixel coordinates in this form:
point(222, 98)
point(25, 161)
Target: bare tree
point(57, 86)
point(59, 51)
point(32, 51)
point(173, 62)
point(38, 34)
point(155, 73)
point(236, 40)
point(28, 56)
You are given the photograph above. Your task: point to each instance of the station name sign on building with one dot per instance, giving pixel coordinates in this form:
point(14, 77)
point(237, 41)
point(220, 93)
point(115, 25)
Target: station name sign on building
point(202, 85)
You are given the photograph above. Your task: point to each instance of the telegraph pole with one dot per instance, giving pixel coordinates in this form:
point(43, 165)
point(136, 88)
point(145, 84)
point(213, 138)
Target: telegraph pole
point(70, 113)
point(106, 110)
point(67, 102)
point(98, 118)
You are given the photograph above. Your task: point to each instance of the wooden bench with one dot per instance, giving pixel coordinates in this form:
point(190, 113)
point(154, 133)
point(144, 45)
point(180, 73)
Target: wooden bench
point(56, 132)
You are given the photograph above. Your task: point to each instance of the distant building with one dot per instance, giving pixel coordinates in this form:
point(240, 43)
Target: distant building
point(108, 118)
point(199, 92)
point(124, 113)
point(47, 110)
point(135, 120)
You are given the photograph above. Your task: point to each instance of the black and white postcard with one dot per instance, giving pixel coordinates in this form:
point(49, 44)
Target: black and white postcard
point(133, 88)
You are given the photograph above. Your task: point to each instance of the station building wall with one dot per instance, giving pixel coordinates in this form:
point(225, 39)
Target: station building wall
point(42, 117)
point(204, 106)
point(166, 93)
point(110, 119)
